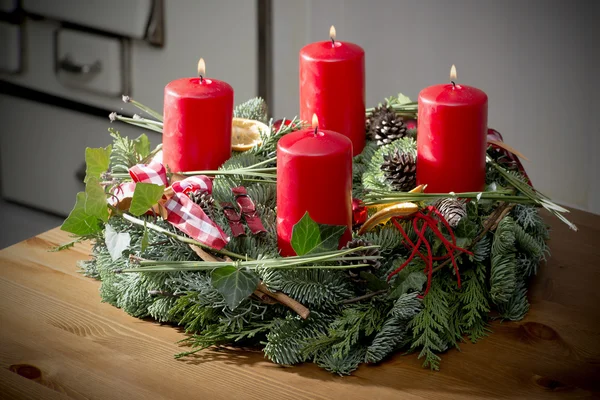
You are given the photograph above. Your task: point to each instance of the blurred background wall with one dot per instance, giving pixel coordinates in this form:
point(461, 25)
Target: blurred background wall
point(537, 60)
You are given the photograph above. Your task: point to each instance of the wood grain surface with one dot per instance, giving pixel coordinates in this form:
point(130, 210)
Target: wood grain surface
point(58, 341)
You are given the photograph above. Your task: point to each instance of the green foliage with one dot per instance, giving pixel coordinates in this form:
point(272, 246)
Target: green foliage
point(127, 152)
point(145, 196)
point(348, 335)
point(288, 336)
point(387, 237)
point(386, 341)
point(317, 289)
point(255, 109)
point(374, 177)
point(271, 138)
point(218, 308)
point(96, 162)
point(234, 284)
point(79, 222)
point(503, 279)
point(430, 327)
point(310, 237)
point(474, 305)
point(517, 305)
point(329, 361)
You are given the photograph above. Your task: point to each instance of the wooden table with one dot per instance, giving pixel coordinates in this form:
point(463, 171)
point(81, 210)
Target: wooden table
point(59, 341)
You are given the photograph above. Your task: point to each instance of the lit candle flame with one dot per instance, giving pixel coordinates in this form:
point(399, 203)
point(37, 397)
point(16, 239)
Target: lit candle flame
point(201, 68)
point(332, 33)
point(315, 121)
point(453, 73)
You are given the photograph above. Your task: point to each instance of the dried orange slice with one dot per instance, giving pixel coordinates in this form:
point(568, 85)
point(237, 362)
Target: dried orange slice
point(245, 133)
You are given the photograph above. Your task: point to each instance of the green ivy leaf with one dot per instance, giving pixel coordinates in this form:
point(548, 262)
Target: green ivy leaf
point(97, 161)
point(412, 281)
point(95, 200)
point(79, 222)
point(310, 237)
point(142, 145)
point(402, 99)
point(234, 284)
point(116, 242)
point(373, 282)
point(145, 196)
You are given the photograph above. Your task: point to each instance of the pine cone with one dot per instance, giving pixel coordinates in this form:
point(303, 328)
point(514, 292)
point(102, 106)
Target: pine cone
point(373, 265)
point(400, 169)
point(453, 210)
point(203, 199)
point(385, 126)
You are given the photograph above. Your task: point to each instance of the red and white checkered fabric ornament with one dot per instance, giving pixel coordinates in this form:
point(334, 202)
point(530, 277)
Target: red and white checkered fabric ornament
point(193, 183)
point(154, 172)
point(188, 217)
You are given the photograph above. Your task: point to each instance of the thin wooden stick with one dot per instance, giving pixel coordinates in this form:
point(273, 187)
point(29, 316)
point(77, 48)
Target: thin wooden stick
point(364, 296)
point(286, 300)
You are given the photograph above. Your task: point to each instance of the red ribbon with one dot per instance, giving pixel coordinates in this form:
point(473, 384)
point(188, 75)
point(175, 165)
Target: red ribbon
point(182, 212)
point(430, 220)
point(248, 210)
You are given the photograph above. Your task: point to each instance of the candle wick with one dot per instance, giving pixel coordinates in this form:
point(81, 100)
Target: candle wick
point(453, 84)
point(332, 41)
point(316, 130)
point(201, 78)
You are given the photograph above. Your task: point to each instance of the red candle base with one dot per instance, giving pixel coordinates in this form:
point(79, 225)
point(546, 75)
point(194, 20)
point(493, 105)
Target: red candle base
point(314, 175)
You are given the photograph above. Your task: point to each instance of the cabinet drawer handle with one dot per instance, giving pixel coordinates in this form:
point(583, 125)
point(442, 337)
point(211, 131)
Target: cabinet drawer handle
point(68, 65)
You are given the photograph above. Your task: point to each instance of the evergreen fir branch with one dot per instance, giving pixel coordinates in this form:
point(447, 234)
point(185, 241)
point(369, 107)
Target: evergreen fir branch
point(387, 340)
point(531, 245)
point(125, 153)
point(406, 306)
point(387, 237)
point(503, 279)
point(255, 109)
point(268, 147)
point(482, 249)
point(474, 303)
point(160, 309)
point(356, 322)
point(529, 218)
point(329, 360)
point(316, 289)
point(217, 334)
point(287, 337)
point(430, 326)
point(526, 265)
point(89, 268)
point(517, 306)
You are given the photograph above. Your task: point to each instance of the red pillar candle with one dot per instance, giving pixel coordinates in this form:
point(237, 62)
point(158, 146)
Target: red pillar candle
point(314, 175)
point(198, 114)
point(332, 86)
point(451, 140)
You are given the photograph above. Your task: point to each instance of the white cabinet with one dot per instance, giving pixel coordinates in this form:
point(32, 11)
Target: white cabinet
point(42, 146)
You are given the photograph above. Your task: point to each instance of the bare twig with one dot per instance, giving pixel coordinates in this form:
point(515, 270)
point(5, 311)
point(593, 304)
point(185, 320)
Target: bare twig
point(364, 297)
point(286, 300)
